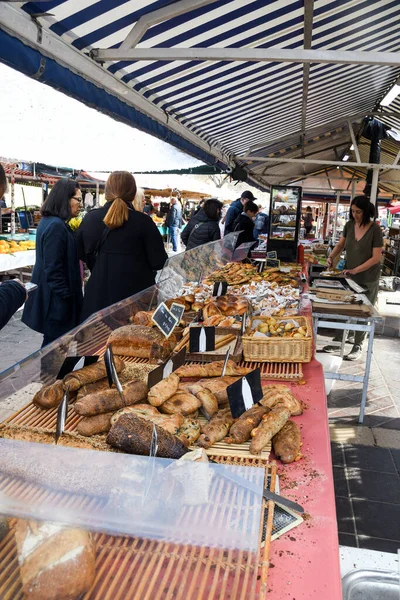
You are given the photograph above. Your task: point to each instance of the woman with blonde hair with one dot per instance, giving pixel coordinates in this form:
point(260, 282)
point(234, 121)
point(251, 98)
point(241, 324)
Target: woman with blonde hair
point(121, 246)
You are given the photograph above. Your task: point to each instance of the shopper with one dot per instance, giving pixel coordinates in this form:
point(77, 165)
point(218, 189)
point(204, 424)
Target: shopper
point(12, 295)
point(120, 245)
point(245, 223)
point(203, 227)
point(261, 223)
point(362, 240)
point(54, 308)
point(174, 221)
point(235, 209)
point(308, 220)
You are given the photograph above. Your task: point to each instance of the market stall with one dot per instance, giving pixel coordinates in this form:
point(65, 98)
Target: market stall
point(302, 562)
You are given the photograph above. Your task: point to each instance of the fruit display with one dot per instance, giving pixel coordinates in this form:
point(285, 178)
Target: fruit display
point(9, 247)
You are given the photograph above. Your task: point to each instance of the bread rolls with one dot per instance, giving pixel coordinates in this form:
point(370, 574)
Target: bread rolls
point(56, 562)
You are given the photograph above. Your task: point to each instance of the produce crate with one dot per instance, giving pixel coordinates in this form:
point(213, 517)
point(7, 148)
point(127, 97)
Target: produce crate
point(277, 349)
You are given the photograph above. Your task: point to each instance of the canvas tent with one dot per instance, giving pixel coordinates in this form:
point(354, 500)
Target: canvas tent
point(271, 90)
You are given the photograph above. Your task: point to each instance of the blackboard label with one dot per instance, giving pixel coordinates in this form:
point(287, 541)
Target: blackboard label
point(244, 393)
point(168, 367)
point(272, 262)
point(177, 310)
point(272, 254)
point(74, 363)
point(220, 288)
point(164, 319)
point(201, 339)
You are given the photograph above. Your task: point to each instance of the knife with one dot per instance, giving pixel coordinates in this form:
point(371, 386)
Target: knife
point(112, 372)
point(226, 361)
point(281, 500)
point(62, 415)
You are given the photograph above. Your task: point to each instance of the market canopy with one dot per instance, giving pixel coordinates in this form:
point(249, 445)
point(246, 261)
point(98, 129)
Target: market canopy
point(262, 89)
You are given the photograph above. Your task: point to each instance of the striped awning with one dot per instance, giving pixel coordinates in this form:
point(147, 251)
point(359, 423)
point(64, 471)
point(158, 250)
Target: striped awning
point(269, 102)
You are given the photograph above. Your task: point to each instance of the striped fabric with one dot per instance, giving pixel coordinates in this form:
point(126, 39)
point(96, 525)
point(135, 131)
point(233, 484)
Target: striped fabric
point(238, 105)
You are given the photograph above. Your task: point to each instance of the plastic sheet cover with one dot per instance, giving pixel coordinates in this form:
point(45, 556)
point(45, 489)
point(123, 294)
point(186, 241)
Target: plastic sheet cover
point(182, 502)
point(90, 337)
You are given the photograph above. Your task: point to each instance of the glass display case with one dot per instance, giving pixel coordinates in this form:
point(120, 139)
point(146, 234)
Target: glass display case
point(284, 219)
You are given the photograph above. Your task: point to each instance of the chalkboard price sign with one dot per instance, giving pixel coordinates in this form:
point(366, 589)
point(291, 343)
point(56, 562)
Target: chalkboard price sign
point(177, 310)
point(272, 262)
point(272, 254)
point(164, 319)
point(220, 288)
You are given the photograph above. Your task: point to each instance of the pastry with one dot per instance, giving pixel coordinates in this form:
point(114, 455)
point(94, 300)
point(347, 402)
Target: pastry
point(209, 404)
point(163, 390)
point(89, 374)
point(49, 396)
point(142, 342)
point(241, 430)
point(270, 424)
point(281, 394)
point(133, 435)
point(189, 431)
point(110, 400)
point(181, 402)
point(216, 429)
point(287, 443)
point(56, 562)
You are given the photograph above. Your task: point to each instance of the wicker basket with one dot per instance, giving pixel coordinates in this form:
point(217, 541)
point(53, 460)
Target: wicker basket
point(277, 349)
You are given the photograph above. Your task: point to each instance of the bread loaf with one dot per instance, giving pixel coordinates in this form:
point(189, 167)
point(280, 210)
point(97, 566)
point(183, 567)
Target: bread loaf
point(89, 374)
point(110, 400)
point(56, 563)
point(142, 342)
point(95, 425)
point(49, 396)
point(163, 390)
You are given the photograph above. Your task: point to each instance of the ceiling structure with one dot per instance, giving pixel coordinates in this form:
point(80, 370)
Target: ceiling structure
point(279, 88)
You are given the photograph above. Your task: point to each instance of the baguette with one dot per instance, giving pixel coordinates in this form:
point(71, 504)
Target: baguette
point(212, 369)
point(49, 396)
point(56, 562)
point(270, 424)
point(95, 425)
point(241, 430)
point(110, 400)
point(89, 374)
point(91, 388)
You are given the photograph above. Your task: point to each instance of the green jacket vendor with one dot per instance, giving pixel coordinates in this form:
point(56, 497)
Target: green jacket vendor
point(362, 240)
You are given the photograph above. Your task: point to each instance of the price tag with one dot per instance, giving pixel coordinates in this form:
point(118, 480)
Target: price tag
point(220, 288)
point(74, 363)
point(272, 262)
point(272, 254)
point(166, 368)
point(244, 393)
point(201, 339)
point(177, 310)
point(164, 319)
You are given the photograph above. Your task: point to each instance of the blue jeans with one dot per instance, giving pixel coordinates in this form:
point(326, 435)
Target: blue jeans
point(173, 234)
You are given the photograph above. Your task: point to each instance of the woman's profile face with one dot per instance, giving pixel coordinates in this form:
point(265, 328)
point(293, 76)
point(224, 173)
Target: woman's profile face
point(75, 203)
point(357, 213)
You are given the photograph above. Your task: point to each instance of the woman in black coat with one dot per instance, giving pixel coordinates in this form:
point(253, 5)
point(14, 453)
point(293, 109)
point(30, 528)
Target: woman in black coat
point(121, 246)
point(203, 227)
point(54, 307)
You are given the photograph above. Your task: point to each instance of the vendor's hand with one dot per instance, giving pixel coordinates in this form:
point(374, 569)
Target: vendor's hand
point(348, 272)
point(329, 262)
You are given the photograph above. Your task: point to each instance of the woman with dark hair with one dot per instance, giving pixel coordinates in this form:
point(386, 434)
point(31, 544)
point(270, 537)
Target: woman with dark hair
point(54, 308)
point(362, 240)
point(121, 246)
point(308, 220)
point(203, 226)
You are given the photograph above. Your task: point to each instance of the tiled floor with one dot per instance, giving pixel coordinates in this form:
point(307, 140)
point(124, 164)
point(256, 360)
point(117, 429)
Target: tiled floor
point(367, 488)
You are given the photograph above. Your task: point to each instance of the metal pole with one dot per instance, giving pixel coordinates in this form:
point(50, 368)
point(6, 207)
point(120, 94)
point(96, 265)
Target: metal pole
point(367, 371)
point(13, 201)
point(97, 195)
point(374, 186)
point(336, 216)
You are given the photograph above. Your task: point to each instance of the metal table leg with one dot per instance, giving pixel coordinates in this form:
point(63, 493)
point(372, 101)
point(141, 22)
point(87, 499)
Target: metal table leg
point(367, 370)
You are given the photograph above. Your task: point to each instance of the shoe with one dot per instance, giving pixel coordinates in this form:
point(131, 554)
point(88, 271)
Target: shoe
point(331, 349)
point(355, 353)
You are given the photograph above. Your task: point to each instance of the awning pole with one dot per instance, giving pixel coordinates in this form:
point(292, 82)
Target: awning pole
point(97, 195)
point(336, 216)
point(13, 200)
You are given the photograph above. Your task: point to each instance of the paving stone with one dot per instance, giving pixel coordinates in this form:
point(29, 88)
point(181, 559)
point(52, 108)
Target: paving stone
point(369, 459)
point(375, 486)
point(351, 435)
point(344, 514)
point(377, 519)
point(346, 539)
point(381, 545)
point(386, 438)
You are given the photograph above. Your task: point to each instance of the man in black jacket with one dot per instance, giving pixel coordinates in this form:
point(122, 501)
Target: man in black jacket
point(235, 209)
point(174, 221)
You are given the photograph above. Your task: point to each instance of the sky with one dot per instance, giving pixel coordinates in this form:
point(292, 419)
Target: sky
point(40, 124)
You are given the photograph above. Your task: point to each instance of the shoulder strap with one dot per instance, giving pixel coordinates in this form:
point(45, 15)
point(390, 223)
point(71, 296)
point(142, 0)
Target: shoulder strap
point(195, 228)
point(102, 239)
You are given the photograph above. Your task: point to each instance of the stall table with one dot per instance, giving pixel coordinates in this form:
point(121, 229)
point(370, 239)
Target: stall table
point(17, 261)
point(349, 323)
